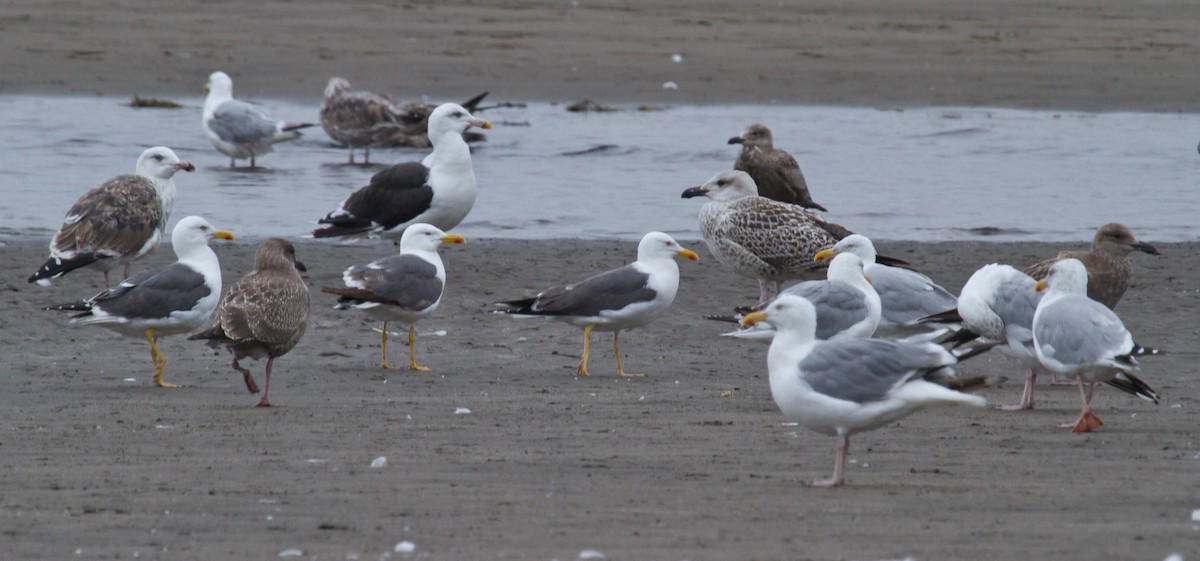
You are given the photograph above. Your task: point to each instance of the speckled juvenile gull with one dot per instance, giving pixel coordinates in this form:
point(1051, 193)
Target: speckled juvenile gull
point(906, 295)
point(404, 288)
point(439, 190)
point(118, 222)
point(840, 388)
point(1109, 269)
point(757, 237)
point(846, 303)
point(264, 314)
point(360, 119)
point(174, 299)
point(776, 172)
point(238, 129)
point(615, 300)
point(1079, 337)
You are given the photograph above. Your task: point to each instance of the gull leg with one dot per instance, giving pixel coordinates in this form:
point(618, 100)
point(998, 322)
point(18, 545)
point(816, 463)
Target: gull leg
point(412, 351)
point(367, 155)
point(126, 271)
point(250, 385)
point(1088, 421)
point(839, 466)
point(106, 284)
point(762, 291)
point(160, 361)
point(232, 163)
point(267, 388)
point(351, 155)
point(617, 355)
point(582, 369)
point(383, 354)
point(1026, 394)
point(252, 163)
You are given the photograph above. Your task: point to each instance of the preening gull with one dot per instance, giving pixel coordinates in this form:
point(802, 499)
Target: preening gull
point(404, 288)
point(996, 305)
point(846, 302)
point(238, 129)
point(264, 314)
point(174, 299)
point(615, 300)
point(757, 237)
point(1109, 269)
point(906, 295)
point(118, 222)
point(776, 172)
point(1081, 338)
point(439, 190)
point(840, 388)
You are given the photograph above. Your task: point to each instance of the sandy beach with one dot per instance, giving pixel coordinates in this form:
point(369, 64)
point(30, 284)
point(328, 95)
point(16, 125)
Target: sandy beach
point(691, 462)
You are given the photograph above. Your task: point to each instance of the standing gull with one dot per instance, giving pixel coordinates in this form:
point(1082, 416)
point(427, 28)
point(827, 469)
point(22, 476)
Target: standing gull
point(405, 287)
point(1081, 338)
point(238, 129)
point(360, 119)
point(840, 388)
point(622, 298)
point(175, 299)
point(438, 190)
point(1109, 269)
point(775, 171)
point(264, 314)
point(906, 295)
point(847, 305)
point(118, 222)
point(757, 237)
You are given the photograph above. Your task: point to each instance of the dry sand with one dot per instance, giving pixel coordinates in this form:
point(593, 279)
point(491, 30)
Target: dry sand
point(547, 465)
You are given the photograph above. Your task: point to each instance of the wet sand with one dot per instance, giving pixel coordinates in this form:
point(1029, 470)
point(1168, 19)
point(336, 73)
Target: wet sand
point(547, 465)
point(691, 462)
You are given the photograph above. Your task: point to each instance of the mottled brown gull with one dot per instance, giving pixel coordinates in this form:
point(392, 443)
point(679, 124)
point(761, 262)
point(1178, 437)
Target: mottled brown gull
point(758, 237)
point(776, 172)
point(1109, 269)
point(170, 300)
point(615, 300)
point(264, 314)
point(118, 222)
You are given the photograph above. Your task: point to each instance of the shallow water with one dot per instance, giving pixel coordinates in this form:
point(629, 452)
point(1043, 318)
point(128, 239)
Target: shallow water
point(918, 174)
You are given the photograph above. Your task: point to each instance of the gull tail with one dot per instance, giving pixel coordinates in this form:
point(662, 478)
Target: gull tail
point(55, 267)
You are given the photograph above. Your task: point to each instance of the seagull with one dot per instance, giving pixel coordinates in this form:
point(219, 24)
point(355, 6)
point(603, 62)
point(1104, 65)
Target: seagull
point(174, 299)
point(238, 129)
point(264, 314)
point(996, 305)
point(439, 190)
point(118, 222)
point(776, 172)
point(848, 307)
point(906, 295)
point(615, 300)
point(840, 388)
point(404, 288)
point(361, 119)
point(757, 237)
point(1109, 269)
point(1079, 337)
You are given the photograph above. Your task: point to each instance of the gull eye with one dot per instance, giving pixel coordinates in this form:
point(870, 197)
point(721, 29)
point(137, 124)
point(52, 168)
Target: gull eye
point(158, 157)
point(456, 114)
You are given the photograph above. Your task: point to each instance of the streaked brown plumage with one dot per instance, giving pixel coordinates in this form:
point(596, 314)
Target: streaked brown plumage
point(265, 313)
point(776, 172)
point(1108, 266)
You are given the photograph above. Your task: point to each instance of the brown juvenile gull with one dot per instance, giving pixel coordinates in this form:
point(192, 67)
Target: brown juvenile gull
point(622, 298)
point(118, 222)
point(758, 237)
point(1108, 266)
point(404, 288)
point(439, 190)
point(360, 119)
point(174, 299)
point(264, 314)
point(1079, 337)
point(238, 129)
point(776, 172)
point(415, 115)
point(841, 388)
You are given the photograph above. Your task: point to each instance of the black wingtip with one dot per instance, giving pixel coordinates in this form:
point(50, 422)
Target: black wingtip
point(56, 267)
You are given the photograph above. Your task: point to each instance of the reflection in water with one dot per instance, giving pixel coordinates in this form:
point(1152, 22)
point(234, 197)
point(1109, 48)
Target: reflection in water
point(919, 174)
